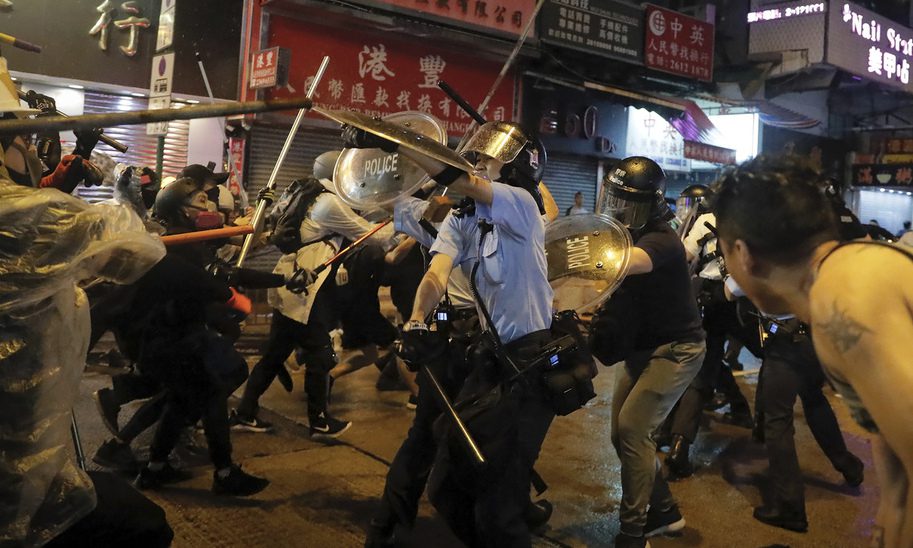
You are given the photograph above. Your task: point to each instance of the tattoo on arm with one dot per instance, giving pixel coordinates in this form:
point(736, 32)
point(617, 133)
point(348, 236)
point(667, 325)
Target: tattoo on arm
point(844, 331)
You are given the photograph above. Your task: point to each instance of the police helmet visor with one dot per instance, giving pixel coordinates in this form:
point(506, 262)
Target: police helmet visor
point(498, 140)
point(629, 206)
point(684, 205)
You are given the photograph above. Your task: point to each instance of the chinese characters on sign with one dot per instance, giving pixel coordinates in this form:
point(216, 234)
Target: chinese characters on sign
point(786, 12)
point(265, 69)
point(649, 134)
point(160, 90)
point(678, 44)
point(869, 45)
point(377, 74)
point(605, 27)
point(132, 23)
point(709, 153)
point(883, 175)
point(508, 16)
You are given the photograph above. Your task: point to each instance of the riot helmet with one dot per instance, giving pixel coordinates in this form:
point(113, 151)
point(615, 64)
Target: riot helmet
point(183, 205)
point(694, 196)
point(324, 167)
point(633, 192)
point(523, 158)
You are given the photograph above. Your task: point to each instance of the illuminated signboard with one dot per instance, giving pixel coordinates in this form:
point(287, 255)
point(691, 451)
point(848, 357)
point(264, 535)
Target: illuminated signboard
point(786, 11)
point(869, 45)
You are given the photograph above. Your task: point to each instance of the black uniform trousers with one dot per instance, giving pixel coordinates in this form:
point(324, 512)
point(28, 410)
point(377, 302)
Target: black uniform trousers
point(285, 335)
point(411, 466)
point(719, 319)
point(790, 369)
point(494, 515)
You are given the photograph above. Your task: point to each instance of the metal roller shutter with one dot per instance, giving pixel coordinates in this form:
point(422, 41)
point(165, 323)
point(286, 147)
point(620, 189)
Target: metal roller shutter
point(143, 147)
point(265, 144)
point(567, 174)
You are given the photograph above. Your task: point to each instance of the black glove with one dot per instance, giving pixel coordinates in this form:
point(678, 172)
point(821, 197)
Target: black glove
point(420, 345)
point(86, 139)
point(300, 280)
point(267, 195)
point(352, 137)
point(47, 105)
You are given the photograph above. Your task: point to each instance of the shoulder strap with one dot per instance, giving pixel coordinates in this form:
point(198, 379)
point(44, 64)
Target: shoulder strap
point(897, 247)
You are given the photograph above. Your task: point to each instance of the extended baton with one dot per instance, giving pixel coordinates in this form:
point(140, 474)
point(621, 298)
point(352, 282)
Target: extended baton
point(444, 402)
point(329, 262)
point(459, 100)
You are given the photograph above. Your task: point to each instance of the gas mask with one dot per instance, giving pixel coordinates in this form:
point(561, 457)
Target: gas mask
point(208, 219)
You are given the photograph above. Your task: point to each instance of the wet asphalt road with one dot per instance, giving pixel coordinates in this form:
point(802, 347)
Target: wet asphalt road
point(323, 495)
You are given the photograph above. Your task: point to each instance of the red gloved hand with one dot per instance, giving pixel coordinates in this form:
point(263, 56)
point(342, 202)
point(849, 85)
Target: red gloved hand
point(67, 175)
point(240, 302)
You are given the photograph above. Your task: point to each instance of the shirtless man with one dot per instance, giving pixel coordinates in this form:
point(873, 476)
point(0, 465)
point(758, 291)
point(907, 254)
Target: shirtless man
point(779, 239)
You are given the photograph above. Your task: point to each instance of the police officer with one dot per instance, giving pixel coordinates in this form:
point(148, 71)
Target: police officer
point(667, 345)
point(502, 240)
point(305, 319)
point(719, 319)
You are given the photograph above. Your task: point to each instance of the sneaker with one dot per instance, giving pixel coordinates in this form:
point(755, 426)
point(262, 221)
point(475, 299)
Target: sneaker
point(254, 424)
point(663, 523)
point(538, 513)
point(327, 428)
point(153, 479)
point(777, 517)
point(853, 472)
point(628, 541)
point(718, 401)
point(108, 408)
point(117, 456)
point(238, 483)
point(412, 403)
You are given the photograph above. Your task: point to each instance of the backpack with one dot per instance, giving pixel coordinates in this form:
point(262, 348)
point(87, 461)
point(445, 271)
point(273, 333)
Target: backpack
point(289, 211)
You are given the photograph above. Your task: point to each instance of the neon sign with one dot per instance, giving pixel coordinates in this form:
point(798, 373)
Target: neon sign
point(786, 12)
point(867, 44)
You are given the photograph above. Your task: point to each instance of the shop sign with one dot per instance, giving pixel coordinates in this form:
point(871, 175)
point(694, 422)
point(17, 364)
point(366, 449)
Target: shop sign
point(786, 11)
point(165, 36)
point(899, 146)
point(678, 44)
point(883, 175)
point(236, 151)
point(650, 135)
point(264, 71)
point(508, 16)
point(378, 74)
point(604, 27)
point(869, 45)
point(709, 153)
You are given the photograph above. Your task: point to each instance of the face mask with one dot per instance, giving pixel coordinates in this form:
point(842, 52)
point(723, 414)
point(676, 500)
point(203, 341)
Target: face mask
point(208, 220)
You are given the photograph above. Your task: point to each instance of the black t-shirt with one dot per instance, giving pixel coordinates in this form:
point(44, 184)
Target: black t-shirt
point(663, 298)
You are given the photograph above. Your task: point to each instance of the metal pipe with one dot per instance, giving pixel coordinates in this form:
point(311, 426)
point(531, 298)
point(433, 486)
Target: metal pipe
point(329, 262)
point(203, 235)
point(257, 221)
point(113, 143)
point(77, 442)
point(19, 43)
point(90, 121)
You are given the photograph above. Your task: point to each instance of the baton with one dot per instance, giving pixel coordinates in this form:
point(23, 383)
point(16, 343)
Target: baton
point(203, 235)
point(94, 121)
point(113, 143)
point(463, 103)
point(329, 262)
point(257, 221)
point(444, 402)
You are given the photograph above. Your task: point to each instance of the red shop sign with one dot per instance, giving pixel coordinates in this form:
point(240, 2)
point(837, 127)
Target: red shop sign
point(709, 153)
point(502, 15)
point(265, 68)
point(379, 74)
point(678, 44)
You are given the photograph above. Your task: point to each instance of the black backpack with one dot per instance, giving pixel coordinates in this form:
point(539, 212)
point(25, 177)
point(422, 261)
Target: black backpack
point(289, 210)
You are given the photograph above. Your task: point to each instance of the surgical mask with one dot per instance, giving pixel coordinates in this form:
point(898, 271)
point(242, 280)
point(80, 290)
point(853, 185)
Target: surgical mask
point(208, 220)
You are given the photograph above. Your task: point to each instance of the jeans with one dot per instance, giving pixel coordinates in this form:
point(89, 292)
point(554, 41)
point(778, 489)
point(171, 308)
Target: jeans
point(791, 369)
point(647, 385)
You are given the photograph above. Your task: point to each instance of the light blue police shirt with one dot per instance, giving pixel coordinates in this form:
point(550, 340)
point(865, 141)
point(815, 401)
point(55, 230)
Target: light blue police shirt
point(512, 278)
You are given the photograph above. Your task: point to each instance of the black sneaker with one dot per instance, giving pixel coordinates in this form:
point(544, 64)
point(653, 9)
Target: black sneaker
point(254, 424)
point(238, 483)
point(663, 523)
point(628, 541)
point(412, 403)
point(718, 401)
point(117, 456)
point(327, 428)
point(153, 479)
point(538, 513)
point(853, 471)
point(771, 515)
point(108, 408)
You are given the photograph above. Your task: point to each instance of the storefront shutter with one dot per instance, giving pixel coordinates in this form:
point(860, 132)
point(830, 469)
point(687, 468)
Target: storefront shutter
point(567, 174)
point(142, 147)
point(265, 144)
